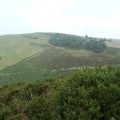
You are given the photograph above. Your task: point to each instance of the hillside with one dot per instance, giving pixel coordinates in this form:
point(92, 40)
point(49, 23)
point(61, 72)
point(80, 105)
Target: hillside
point(14, 48)
point(90, 94)
point(40, 56)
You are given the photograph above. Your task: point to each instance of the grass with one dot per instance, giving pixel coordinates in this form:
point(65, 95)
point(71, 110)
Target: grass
point(50, 63)
point(14, 48)
point(32, 76)
point(30, 57)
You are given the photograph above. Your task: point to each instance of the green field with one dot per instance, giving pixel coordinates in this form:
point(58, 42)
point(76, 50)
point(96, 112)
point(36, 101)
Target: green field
point(14, 48)
point(31, 57)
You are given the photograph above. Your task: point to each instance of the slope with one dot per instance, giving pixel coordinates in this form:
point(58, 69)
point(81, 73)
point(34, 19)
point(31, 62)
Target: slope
point(14, 48)
point(40, 60)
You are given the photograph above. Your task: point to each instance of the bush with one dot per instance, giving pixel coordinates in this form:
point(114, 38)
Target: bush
point(91, 94)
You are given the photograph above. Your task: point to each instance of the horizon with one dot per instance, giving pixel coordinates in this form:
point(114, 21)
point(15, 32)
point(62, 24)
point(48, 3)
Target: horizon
point(96, 18)
point(12, 34)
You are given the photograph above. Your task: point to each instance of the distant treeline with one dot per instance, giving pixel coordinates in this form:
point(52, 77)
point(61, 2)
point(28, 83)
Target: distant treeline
point(75, 42)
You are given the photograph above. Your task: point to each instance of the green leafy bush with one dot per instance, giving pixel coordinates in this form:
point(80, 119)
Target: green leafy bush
point(90, 94)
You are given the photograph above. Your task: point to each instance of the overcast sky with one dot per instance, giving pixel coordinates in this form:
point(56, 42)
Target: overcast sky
point(100, 18)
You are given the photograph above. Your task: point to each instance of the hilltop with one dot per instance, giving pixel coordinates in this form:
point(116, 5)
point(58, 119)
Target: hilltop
point(40, 56)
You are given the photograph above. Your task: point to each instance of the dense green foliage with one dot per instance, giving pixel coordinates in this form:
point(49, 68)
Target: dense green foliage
point(76, 42)
point(90, 94)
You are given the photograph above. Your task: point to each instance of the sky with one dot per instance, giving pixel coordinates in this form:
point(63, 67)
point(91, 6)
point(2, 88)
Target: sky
point(96, 18)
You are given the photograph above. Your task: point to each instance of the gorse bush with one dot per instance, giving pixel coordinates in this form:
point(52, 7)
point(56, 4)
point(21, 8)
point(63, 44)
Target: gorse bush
point(90, 94)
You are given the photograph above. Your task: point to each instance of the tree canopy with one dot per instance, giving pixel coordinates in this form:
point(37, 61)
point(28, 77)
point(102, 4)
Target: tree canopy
point(75, 42)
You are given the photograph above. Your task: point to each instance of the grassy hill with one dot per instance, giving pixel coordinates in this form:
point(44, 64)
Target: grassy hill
point(14, 48)
point(90, 94)
point(31, 57)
